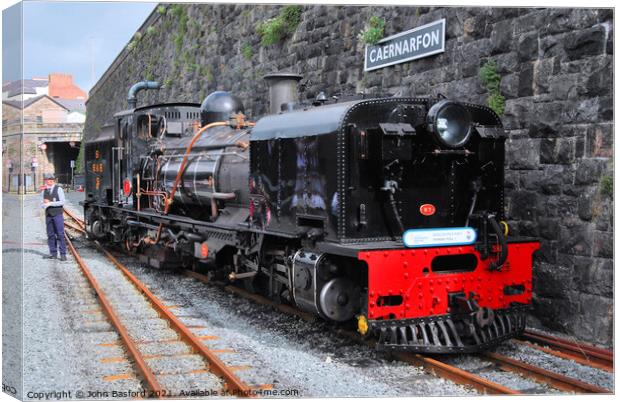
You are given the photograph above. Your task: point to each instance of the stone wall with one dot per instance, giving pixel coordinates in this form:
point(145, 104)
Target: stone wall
point(556, 77)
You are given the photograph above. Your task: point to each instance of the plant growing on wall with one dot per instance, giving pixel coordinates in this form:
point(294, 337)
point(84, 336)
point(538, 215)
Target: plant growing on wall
point(374, 31)
point(246, 51)
point(276, 29)
point(607, 186)
point(491, 80)
point(79, 162)
point(180, 13)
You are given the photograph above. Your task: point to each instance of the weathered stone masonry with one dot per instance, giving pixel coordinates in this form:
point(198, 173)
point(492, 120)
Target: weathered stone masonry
point(557, 78)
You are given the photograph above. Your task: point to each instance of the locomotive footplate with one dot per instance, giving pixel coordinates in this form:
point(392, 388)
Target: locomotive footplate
point(451, 333)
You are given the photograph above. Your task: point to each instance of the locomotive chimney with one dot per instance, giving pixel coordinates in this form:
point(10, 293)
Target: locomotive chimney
point(282, 91)
point(137, 87)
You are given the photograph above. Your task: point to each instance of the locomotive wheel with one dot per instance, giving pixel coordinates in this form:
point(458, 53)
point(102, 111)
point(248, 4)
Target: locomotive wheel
point(339, 299)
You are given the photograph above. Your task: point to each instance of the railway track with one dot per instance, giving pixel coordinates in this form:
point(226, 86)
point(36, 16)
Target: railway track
point(155, 339)
point(579, 352)
point(501, 362)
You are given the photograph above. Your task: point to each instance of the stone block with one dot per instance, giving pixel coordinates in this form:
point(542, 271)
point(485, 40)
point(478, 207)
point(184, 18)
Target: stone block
point(501, 37)
point(527, 46)
point(523, 205)
point(531, 21)
point(473, 28)
point(526, 80)
point(605, 108)
point(511, 179)
point(576, 239)
point(552, 281)
point(502, 13)
point(587, 42)
point(600, 329)
point(584, 204)
point(603, 212)
point(549, 228)
point(552, 46)
point(509, 86)
point(523, 154)
point(517, 113)
point(557, 150)
point(594, 275)
point(603, 244)
point(589, 171)
point(556, 314)
point(545, 119)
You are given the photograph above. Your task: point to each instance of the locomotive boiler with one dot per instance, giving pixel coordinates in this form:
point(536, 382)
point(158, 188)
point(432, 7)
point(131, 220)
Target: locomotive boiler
point(387, 213)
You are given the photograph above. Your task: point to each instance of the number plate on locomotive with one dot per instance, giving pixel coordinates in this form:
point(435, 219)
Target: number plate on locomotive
point(439, 237)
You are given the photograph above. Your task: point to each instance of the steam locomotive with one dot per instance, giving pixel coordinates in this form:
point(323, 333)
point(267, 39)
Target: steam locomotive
point(386, 213)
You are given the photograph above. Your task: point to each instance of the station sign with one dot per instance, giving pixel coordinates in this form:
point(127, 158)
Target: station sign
point(415, 43)
point(439, 237)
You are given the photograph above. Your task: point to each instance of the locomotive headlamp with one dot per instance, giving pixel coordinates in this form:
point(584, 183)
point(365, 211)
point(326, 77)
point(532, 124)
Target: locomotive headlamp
point(450, 122)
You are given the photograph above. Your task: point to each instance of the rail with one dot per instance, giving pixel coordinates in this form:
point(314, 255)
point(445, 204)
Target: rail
point(579, 352)
point(132, 348)
point(555, 380)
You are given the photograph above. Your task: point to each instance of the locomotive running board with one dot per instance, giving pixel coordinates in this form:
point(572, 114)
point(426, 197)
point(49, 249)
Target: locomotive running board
point(449, 333)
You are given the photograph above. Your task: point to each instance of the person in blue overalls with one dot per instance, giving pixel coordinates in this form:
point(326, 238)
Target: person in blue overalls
point(53, 200)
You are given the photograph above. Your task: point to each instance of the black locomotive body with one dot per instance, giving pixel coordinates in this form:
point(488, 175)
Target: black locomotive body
point(313, 206)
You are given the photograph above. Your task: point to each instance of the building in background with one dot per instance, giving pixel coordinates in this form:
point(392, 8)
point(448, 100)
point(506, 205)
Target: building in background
point(48, 116)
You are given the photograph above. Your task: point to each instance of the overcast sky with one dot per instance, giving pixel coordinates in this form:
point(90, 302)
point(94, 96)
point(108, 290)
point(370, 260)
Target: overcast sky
point(74, 37)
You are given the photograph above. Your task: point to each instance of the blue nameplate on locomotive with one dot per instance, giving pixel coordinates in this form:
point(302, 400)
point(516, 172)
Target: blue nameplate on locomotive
point(439, 237)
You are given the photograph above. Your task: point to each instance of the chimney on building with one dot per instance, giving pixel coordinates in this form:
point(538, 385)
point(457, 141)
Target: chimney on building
point(62, 86)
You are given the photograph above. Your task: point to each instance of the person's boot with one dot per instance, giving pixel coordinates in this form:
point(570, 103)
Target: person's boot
point(49, 257)
point(63, 257)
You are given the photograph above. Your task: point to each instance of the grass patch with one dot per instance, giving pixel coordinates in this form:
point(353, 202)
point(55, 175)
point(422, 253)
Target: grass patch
point(374, 32)
point(246, 51)
point(277, 29)
point(490, 78)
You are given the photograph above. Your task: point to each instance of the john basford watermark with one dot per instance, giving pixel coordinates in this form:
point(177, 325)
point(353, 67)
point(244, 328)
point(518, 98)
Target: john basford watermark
point(144, 394)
